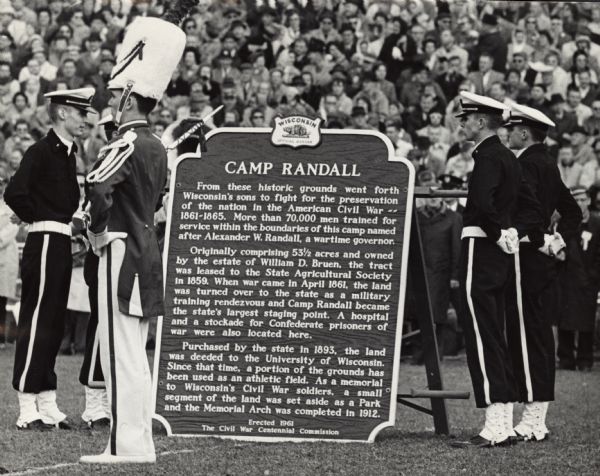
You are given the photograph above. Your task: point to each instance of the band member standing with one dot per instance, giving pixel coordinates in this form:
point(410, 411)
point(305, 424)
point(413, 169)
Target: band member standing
point(125, 190)
point(44, 192)
point(529, 332)
point(489, 239)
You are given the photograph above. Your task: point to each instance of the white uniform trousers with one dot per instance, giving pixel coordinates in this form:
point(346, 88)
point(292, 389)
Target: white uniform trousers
point(124, 363)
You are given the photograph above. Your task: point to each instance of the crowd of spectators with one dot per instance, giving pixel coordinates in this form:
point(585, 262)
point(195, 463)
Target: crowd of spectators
point(396, 66)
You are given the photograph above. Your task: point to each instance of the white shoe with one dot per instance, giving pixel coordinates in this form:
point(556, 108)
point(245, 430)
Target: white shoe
point(106, 458)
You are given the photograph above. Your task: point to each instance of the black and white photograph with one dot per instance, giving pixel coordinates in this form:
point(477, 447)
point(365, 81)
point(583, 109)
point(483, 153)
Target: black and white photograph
point(299, 237)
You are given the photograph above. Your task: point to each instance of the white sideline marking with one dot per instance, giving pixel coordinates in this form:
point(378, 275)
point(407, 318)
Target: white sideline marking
point(43, 469)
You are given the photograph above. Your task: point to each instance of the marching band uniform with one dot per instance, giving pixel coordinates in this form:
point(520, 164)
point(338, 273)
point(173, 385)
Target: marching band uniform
point(489, 238)
point(124, 193)
point(529, 333)
point(44, 192)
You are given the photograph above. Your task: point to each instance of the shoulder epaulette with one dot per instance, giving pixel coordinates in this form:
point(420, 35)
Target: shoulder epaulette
point(113, 156)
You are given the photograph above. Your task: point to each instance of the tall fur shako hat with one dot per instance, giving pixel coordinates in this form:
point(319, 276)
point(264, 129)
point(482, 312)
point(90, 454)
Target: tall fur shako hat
point(150, 53)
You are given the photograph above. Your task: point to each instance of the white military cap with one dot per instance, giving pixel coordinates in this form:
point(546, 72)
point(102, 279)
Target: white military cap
point(79, 98)
point(541, 67)
point(474, 103)
point(527, 116)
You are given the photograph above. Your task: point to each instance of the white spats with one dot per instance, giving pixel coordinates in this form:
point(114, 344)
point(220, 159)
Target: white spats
point(48, 409)
point(508, 419)
point(27, 408)
point(494, 429)
point(533, 422)
point(96, 405)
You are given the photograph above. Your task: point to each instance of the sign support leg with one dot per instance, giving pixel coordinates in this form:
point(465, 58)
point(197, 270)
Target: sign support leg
point(426, 324)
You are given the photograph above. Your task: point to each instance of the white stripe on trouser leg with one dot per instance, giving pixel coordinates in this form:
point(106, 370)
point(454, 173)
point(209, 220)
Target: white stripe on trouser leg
point(36, 312)
point(133, 434)
point(524, 351)
point(486, 382)
point(92, 370)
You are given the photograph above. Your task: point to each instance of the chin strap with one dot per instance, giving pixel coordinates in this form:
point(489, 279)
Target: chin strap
point(124, 97)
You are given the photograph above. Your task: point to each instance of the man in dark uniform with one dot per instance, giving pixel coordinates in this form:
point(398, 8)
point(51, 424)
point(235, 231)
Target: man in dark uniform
point(125, 190)
point(44, 192)
point(580, 283)
point(529, 331)
point(496, 194)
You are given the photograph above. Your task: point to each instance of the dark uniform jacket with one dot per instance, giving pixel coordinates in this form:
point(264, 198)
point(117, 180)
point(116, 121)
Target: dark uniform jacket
point(498, 196)
point(541, 173)
point(45, 185)
point(125, 190)
point(580, 278)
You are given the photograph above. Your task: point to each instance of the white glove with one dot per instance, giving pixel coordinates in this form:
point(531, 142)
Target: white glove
point(509, 241)
point(513, 239)
point(98, 241)
point(554, 246)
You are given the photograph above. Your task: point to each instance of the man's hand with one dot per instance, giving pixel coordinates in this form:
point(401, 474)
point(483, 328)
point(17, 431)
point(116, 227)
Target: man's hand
point(15, 219)
point(554, 246)
point(509, 241)
point(454, 284)
point(80, 221)
point(98, 241)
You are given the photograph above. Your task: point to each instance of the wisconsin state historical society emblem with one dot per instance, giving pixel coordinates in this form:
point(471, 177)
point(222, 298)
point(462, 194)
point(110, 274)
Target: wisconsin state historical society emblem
point(296, 131)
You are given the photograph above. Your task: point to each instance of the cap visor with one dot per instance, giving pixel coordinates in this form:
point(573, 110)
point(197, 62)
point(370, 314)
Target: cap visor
point(88, 109)
point(462, 114)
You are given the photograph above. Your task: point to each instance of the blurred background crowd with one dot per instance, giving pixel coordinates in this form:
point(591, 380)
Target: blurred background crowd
point(395, 66)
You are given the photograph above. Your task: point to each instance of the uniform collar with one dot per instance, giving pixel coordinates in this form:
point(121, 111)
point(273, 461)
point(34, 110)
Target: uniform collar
point(65, 141)
point(132, 125)
point(58, 143)
point(484, 144)
point(532, 149)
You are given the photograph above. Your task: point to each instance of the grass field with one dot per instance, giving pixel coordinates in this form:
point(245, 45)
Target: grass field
point(410, 448)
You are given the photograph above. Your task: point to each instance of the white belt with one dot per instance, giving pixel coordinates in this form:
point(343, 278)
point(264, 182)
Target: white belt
point(473, 232)
point(50, 227)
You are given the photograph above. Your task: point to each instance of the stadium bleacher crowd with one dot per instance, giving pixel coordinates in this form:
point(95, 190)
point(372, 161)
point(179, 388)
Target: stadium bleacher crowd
point(395, 66)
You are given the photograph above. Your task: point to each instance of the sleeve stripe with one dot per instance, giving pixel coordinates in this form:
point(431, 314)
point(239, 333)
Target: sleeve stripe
point(103, 173)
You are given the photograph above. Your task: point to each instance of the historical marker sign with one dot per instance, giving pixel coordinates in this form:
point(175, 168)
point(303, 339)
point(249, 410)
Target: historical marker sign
point(285, 265)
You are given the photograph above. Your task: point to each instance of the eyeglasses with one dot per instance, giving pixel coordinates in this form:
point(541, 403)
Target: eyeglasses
point(258, 117)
